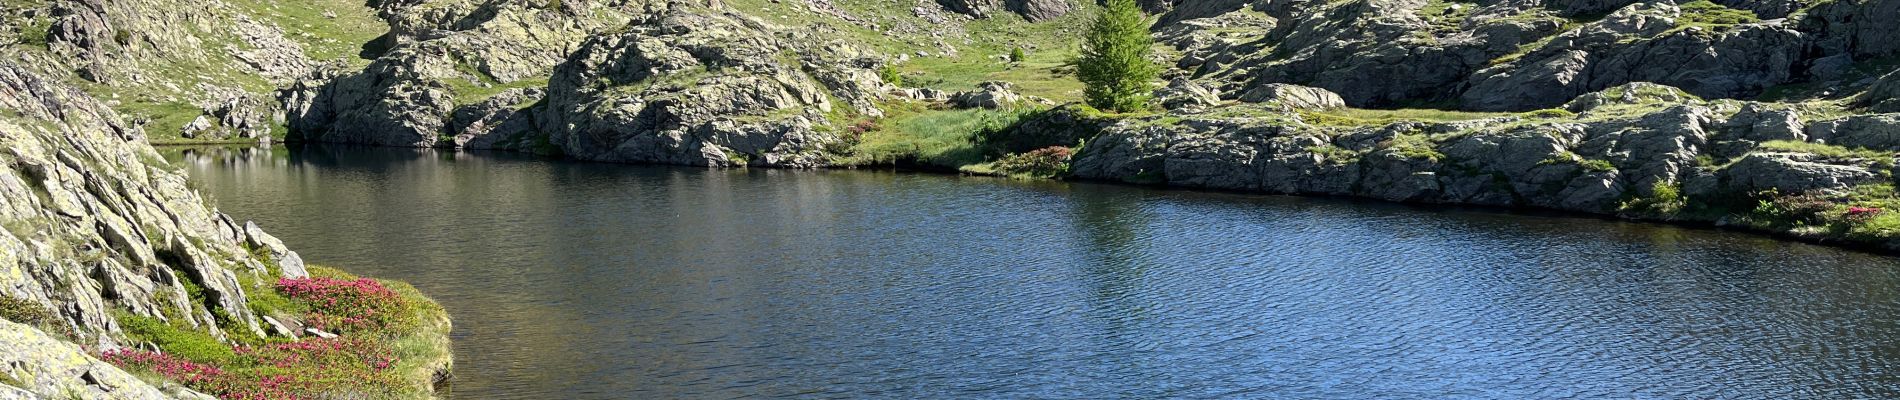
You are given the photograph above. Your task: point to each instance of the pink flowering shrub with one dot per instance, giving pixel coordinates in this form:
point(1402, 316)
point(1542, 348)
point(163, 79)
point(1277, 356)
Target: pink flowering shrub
point(311, 368)
point(1047, 161)
point(346, 305)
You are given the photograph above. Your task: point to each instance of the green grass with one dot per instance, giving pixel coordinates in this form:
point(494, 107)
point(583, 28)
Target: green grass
point(1442, 17)
point(322, 38)
point(1413, 146)
point(34, 31)
point(1566, 26)
point(913, 131)
point(1824, 150)
point(183, 342)
point(1708, 14)
point(1043, 74)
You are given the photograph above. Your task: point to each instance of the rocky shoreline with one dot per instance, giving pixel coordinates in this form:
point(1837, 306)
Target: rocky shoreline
point(107, 251)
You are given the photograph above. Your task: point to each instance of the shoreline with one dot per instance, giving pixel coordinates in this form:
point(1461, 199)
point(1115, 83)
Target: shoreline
point(921, 168)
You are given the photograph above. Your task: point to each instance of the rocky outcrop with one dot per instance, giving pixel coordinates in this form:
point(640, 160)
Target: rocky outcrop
point(1519, 56)
point(44, 366)
point(1884, 96)
point(694, 87)
point(1638, 44)
point(444, 56)
point(96, 224)
point(1592, 163)
point(1032, 10)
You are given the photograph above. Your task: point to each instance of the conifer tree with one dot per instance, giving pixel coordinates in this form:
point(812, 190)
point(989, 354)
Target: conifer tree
point(1115, 63)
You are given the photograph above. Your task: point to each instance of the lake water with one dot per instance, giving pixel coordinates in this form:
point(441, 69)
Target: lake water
point(597, 281)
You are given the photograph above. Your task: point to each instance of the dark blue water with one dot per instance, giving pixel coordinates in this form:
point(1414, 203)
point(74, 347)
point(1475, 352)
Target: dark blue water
point(572, 280)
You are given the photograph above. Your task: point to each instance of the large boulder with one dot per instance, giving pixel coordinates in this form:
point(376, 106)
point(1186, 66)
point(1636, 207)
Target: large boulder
point(1874, 131)
point(990, 95)
point(1183, 94)
point(1293, 97)
point(1792, 173)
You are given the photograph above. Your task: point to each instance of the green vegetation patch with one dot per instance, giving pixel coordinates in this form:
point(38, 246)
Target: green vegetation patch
point(1883, 158)
point(24, 311)
point(327, 29)
point(393, 341)
point(917, 132)
point(1708, 14)
point(1413, 146)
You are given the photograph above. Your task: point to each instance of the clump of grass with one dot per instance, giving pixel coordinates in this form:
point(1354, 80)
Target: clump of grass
point(23, 311)
point(1413, 146)
point(35, 31)
point(1665, 200)
point(890, 75)
point(183, 342)
point(1824, 150)
point(915, 132)
point(1597, 165)
point(1706, 13)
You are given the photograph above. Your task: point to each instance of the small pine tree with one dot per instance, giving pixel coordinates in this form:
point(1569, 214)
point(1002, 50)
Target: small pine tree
point(1017, 55)
point(1115, 63)
point(890, 75)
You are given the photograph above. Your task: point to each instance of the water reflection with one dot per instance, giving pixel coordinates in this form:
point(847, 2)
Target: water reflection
point(573, 280)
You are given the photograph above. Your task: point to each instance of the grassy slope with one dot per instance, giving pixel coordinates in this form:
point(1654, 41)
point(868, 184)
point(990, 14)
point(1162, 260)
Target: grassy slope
point(167, 100)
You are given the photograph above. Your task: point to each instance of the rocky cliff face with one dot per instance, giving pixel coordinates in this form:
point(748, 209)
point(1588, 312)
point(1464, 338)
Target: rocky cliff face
point(444, 58)
point(96, 225)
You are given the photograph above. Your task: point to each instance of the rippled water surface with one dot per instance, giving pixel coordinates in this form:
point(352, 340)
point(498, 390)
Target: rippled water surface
point(571, 280)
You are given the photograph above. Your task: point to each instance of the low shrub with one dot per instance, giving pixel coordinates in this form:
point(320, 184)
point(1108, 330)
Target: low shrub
point(890, 75)
point(347, 305)
point(23, 311)
point(314, 368)
point(1046, 162)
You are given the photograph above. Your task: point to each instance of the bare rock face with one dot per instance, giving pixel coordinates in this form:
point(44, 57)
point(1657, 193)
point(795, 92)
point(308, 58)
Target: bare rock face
point(1524, 55)
point(693, 87)
point(1637, 44)
point(443, 57)
point(97, 224)
point(1884, 96)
